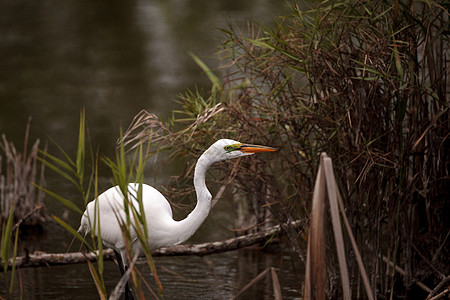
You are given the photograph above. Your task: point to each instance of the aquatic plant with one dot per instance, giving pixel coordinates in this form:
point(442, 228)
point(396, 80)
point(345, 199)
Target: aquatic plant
point(366, 82)
point(17, 178)
point(82, 172)
point(20, 202)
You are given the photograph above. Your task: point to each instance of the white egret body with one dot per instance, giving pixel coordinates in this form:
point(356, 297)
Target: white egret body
point(163, 230)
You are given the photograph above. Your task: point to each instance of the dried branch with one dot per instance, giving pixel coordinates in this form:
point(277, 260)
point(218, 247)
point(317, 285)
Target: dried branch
point(434, 292)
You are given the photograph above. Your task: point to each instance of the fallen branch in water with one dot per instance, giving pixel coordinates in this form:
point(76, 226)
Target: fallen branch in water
point(53, 259)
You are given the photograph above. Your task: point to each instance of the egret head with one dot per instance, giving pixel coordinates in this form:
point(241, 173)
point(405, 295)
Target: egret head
point(227, 149)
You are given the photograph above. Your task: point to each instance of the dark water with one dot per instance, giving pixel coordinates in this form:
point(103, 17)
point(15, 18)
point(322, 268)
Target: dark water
point(212, 277)
point(115, 58)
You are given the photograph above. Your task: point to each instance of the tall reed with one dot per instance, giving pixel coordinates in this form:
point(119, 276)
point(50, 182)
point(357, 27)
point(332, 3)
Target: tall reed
point(82, 172)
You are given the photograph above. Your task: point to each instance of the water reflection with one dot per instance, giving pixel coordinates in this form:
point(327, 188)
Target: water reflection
point(116, 58)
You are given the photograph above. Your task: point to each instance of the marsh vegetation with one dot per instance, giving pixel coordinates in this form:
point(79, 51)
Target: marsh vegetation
point(365, 82)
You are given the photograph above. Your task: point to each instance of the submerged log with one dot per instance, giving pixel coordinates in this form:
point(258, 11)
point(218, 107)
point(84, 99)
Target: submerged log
point(53, 259)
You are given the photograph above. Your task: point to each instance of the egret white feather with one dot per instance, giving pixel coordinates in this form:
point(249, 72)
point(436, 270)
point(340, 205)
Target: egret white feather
point(163, 230)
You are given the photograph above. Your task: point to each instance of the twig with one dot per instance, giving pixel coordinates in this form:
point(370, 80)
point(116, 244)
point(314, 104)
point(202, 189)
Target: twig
point(116, 292)
point(440, 295)
point(403, 272)
point(355, 249)
point(445, 281)
point(26, 216)
point(428, 262)
point(254, 280)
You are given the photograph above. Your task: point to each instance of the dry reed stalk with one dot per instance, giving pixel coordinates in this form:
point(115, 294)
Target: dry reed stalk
point(252, 282)
point(275, 283)
point(362, 269)
point(116, 293)
point(315, 279)
point(16, 185)
point(315, 264)
point(337, 228)
point(145, 127)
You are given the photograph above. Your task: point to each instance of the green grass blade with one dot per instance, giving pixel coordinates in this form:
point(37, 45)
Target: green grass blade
point(72, 231)
point(61, 199)
point(81, 146)
point(98, 284)
point(13, 267)
point(71, 162)
point(56, 161)
point(61, 173)
point(6, 239)
point(217, 84)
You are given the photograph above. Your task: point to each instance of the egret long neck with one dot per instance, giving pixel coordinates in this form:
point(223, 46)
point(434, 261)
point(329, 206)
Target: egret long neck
point(192, 222)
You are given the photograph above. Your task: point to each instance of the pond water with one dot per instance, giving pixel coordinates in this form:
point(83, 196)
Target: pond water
point(115, 58)
point(212, 277)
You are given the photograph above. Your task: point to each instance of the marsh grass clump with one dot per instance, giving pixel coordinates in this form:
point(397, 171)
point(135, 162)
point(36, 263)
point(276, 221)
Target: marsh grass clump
point(21, 203)
point(365, 81)
point(19, 172)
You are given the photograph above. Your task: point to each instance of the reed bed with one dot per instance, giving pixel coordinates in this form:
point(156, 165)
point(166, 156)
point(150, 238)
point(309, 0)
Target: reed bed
point(365, 81)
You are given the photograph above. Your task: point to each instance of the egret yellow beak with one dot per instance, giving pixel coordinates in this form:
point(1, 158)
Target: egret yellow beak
point(246, 148)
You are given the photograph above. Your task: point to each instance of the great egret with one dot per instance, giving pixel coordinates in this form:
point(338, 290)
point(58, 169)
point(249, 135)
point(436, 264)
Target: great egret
point(163, 230)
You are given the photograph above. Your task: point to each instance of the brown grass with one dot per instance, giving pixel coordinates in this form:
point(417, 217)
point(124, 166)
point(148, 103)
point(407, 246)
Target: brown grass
point(17, 188)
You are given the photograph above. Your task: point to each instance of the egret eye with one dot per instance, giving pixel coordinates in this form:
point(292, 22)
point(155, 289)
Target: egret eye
point(233, 147)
